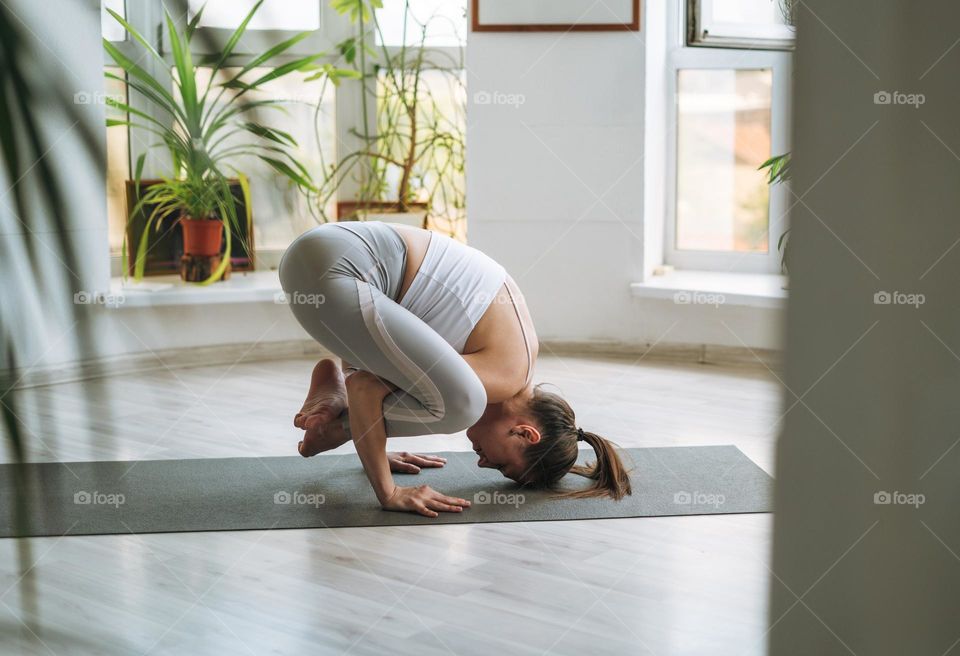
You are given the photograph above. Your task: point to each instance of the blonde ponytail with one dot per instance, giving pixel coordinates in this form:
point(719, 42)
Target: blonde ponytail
point(556, 453)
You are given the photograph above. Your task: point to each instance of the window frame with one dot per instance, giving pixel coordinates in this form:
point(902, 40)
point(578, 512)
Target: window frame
point(704, 34)
point(147, 16)
point(127, 48)
point(681, 56)
point(332, 30)
point(124, 14)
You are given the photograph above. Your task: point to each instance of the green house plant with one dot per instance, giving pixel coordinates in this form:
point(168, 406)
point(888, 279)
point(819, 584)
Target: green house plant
point(778, 170)
point(411, 167)
point(778, 166)
point(195, 130)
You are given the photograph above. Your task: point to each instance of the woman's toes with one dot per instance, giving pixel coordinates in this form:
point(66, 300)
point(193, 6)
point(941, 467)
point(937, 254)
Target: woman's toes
point(321, 418)
point(305, 451)
point(311, 444)
point(300, 421)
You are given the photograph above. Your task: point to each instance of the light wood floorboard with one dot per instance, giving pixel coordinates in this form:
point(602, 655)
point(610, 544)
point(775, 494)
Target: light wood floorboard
point(662, 586)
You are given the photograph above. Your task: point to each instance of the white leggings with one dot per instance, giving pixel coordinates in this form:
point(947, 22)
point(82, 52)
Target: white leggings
point(342, 285)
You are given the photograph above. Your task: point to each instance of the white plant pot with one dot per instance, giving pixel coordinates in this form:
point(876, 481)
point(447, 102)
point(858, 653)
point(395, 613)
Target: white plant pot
point(414, 219)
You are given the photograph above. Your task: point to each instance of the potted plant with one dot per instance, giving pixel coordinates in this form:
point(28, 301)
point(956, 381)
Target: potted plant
point(196, 203)
point(778, 170)
point(412, 169)
point(195, 131)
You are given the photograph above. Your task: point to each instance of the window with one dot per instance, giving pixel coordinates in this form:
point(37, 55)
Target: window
point(118, 162)
point(275, 21)
point(109, 27)
point(280, 212)
point(741, 23)
point(441, 120)
point(730, 114)
point(445, 22)
point(118, 138)
point(723, 135)
point(292, 15)
point(439, 176)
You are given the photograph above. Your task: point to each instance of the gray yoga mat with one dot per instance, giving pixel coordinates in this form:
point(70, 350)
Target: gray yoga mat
point(228, 494)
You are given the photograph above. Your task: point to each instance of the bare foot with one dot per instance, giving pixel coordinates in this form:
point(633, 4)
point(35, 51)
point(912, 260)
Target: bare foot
point(322, 438)
point(326, 398)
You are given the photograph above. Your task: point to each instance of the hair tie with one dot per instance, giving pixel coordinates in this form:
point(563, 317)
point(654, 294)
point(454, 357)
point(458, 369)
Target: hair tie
point(580, 435)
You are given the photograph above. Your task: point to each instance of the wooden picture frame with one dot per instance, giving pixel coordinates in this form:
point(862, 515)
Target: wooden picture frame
point(166, 244)
point(633, 24)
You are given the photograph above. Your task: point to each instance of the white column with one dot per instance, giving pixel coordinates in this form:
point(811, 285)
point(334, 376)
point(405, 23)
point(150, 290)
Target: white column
point(873, 337)
point(45, 261)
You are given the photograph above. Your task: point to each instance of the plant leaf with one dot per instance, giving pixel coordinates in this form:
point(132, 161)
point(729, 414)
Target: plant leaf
point(234, 39)
point(284, 168)
point(186, 78)
point(272, 134)
point(194, 22)
point(131, 67)
point(135, 34)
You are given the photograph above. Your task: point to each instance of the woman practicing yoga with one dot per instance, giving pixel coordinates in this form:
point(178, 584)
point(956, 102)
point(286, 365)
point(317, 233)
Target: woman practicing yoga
point(434, 338)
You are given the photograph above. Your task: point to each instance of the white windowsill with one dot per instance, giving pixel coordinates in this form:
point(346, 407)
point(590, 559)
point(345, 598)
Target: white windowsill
point(266, 259)
point(681, 287)
point(242, 287)
point(715, 288)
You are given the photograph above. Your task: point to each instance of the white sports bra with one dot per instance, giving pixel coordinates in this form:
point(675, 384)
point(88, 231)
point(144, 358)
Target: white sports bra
point(453, 288)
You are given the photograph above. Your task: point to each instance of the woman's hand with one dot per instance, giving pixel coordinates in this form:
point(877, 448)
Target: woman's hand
point(424, 500)
point(410, 463)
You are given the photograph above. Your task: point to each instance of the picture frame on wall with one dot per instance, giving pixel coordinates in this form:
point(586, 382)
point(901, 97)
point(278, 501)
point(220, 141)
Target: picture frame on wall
point(554, 15)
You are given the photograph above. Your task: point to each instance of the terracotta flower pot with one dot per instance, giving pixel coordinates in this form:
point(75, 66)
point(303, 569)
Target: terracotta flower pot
point(201, 236)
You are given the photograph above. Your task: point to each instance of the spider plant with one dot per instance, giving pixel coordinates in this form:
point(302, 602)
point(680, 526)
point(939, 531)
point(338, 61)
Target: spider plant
point(197, 126)
point(417, 154)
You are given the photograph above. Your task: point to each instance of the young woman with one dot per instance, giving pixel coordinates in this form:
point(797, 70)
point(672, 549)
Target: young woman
point(434, 338)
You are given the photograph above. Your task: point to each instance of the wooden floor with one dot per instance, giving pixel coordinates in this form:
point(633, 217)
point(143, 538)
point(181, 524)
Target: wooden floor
point(662, 586)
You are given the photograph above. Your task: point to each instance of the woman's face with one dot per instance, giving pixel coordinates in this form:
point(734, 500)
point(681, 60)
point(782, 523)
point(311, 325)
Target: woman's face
point(500, 438)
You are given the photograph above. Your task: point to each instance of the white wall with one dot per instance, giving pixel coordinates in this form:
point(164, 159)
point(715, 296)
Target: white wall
point(565, 188)
point(555, 183)
point(158, 329)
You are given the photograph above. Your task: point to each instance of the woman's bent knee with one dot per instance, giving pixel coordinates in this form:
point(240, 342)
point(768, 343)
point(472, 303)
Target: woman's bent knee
point(297, 269)
point(307, 261)
point(464, 407)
